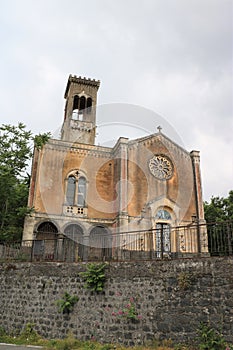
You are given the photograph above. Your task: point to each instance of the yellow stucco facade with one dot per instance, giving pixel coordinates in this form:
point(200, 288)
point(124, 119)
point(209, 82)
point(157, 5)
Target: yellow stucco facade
point(137, 185)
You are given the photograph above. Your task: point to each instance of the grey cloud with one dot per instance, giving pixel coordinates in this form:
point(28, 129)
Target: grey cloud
point(173, 57)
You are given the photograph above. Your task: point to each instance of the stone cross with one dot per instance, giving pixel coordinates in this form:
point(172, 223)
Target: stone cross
point(159, 128)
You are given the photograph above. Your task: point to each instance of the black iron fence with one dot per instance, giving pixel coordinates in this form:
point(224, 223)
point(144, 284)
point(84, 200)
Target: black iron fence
point(164, 242)
point(220, 238)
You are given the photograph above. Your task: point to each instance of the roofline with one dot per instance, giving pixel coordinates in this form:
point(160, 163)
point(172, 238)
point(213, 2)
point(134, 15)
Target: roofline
point(157, 134)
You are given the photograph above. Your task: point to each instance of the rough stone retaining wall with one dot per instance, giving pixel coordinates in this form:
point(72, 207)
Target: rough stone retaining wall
point(171, 299)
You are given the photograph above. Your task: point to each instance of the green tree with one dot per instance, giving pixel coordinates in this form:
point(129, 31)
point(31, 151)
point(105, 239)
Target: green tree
point(219, 208)
point(219, 216)
point(15, 150)
point(15, 154)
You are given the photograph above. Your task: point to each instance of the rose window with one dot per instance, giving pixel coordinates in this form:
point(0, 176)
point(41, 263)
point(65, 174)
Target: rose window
point(161, 167)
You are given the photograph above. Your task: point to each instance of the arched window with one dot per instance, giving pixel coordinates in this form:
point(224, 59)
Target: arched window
point(70, 192)
point(76, 191)
point(44, 247)
point(98, 235)
point(81, 191)
point(75, 107)
point(89, 104)
point(100, 243)
point(82, 103)
point(47, 227)
point(74, 232)
point(76, 102)
point(163, 214)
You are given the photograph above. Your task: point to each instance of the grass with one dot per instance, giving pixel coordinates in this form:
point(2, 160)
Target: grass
point(71, 343)
point(30, 336)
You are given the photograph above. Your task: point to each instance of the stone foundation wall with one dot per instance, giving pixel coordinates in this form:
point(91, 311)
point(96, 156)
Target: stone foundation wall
point(171, 298)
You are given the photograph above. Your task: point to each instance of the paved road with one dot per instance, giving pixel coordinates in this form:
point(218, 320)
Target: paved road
point(4, 346)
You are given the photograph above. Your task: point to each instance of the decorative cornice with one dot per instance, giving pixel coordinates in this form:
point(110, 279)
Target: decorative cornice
point(79, 149)
point(113, 152)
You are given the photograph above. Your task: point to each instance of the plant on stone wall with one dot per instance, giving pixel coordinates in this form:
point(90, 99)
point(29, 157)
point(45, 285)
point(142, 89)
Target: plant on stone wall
point(184, 280)
point(66, 304)
point(128, 311)
point(94, 277)
point(29, 334)
point(210, 339)
point(2, 332)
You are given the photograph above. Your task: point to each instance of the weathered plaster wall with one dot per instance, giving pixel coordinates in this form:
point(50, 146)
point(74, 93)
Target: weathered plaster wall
point(171, 299)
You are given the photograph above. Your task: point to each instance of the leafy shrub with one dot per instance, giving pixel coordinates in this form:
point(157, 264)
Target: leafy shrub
point(2, 332)
point(94, 277)
point(29, 334)
point(210, 339)
point(66, 304)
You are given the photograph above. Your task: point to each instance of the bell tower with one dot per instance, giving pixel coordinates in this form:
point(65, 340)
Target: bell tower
point(80, 111)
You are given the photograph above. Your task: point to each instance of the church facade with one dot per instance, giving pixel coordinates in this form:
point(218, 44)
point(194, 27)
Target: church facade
point(149, 185)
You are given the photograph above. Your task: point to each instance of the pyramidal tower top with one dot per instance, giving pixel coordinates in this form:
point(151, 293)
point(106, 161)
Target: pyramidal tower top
point(80, 110)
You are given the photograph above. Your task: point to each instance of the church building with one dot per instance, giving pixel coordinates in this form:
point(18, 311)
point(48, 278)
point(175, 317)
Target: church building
point(104, 197)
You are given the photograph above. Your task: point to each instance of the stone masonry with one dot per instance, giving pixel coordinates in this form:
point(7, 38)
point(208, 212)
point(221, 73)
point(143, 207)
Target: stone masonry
point(171, 298)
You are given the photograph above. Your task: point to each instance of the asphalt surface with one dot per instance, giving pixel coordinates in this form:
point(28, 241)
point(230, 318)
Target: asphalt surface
point(4, 346)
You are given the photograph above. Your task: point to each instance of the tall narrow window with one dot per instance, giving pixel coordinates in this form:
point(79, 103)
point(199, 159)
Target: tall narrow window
point(82, 103)
point(89, 104)
point(70, 193)
point(75, 107)
point(65, 111)
point(81, 191)
point(76, 102)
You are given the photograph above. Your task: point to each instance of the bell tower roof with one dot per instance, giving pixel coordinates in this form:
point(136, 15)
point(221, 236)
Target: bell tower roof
point(82, 81)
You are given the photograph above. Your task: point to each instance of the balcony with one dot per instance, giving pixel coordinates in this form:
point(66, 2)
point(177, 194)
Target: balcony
point(73, 210)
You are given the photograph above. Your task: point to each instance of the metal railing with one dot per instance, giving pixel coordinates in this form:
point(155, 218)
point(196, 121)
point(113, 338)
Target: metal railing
point(220, 238)
point(214, 239)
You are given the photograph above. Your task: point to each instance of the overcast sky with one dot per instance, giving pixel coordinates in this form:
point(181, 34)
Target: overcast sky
point(173, 57)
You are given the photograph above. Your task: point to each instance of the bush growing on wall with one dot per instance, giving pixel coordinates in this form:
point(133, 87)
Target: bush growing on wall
point(66, 304)
point(94, 277)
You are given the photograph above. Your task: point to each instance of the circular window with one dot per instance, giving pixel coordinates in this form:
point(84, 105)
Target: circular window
point(161, 167)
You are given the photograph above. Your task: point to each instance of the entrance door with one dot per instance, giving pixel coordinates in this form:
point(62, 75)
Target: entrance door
point(163, 239)
point(75, 233)
point(100, 244)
